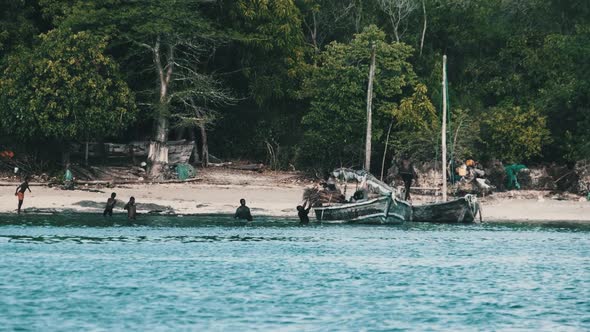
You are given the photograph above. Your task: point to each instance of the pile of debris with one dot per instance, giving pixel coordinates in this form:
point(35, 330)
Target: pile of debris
point(322, 196)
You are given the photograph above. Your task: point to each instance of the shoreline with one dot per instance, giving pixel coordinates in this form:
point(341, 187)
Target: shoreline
point(294, 218)
point(269, 194)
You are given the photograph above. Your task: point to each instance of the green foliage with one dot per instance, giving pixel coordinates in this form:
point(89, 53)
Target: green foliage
point(304, 62)
point(164, 45)
point(563, 92)
point(335, 125)
point(269, 46)
point(513, 133)
point(64, 88)
point(417, 126)
point(17, 27)
point(140, 21)
point(464, 134)
point(55, 11)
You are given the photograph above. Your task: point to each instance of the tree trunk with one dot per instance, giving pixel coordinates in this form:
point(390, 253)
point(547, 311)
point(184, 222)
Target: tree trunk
point(369, 111)
point(204, 145)
point(86, 154)
point(424, 27)
point(359, 17)
point(193, 137)
point(314, 37)
point(65, 155)
point(179, 133)
point(158, 152)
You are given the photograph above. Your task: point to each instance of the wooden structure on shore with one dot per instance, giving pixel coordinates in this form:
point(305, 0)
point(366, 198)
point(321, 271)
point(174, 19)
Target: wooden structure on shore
point(179, 152)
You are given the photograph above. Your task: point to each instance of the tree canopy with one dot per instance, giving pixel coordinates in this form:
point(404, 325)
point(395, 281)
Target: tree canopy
point(337, 89)
point(292, 75)
point(64, 88)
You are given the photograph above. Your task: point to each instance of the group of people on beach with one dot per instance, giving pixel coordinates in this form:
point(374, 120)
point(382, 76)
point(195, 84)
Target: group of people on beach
point(242, 212)
point(108, 210)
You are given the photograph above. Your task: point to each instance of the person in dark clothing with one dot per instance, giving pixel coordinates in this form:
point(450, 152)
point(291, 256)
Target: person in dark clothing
point(131, 208)
point(302, 212)
point(20, 192)
point(243, 212)
point(359, 195)
point(408, 174)
point(110, 205)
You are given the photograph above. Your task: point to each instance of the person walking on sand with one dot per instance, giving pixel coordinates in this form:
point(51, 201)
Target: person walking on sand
point(20, 192)
point(110, 205)
point(243, 212)
point(131, 208)
point(408, 173)
point(302, 212)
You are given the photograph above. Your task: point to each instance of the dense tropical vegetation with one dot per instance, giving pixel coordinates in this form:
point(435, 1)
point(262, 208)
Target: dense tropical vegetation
point(285, 81)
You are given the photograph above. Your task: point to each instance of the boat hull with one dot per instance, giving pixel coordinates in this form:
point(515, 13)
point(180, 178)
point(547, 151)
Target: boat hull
point(462, 210)
point(382, 210)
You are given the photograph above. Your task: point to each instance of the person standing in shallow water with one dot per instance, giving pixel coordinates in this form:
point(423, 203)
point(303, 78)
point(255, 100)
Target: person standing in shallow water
point(110, 205)
point(303, 212)
point(243, 212)
point(131, 208)
point(20, 192)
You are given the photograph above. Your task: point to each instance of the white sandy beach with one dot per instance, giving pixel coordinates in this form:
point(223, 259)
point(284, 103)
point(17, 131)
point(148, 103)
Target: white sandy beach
point(269, 194)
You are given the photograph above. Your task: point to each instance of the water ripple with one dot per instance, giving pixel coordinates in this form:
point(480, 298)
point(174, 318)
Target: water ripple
point(214, 274)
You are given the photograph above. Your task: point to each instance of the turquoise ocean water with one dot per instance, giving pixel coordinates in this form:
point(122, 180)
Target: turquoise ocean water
point(78, 273)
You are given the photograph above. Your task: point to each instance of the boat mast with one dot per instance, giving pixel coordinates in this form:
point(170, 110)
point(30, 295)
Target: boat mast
point(369, 112)
point(444, 130)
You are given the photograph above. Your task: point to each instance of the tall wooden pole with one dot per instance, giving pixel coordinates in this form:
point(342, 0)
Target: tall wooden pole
point(444, 131)
point(385, 150)
point(369, 111)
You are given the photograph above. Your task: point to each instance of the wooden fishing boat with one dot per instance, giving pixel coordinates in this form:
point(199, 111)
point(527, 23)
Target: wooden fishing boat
point(461, 210)
point(380, 210)
point(385, 208)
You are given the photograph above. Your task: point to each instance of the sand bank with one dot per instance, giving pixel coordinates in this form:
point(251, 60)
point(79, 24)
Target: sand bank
point(270, 194)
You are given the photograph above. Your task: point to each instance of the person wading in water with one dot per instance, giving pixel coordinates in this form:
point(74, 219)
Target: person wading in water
point(131, 209)
point(110, 205)
point(20, 192)
point(302, 212)
point(408, 174)
point(243, 212)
